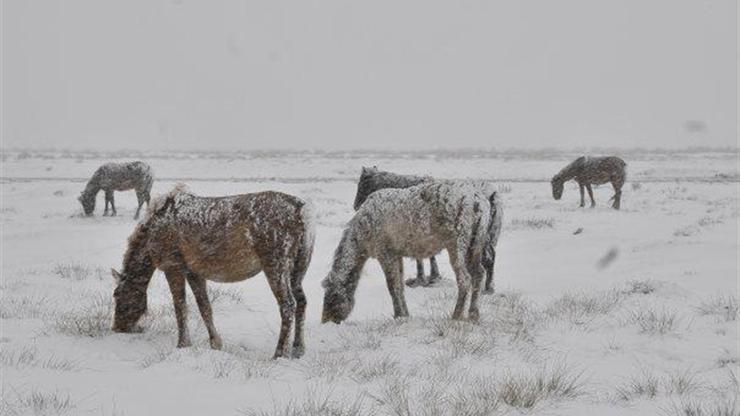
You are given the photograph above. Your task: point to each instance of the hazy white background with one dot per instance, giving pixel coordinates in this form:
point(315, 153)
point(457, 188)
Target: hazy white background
point(343, 74)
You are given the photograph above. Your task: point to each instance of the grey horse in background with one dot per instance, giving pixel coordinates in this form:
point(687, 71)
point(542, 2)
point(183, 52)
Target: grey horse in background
point(371, 180)
point(118, 177)
point(587, 171)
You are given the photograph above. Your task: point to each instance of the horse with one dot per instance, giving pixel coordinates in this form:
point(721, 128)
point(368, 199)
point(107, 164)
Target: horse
point(589, 171)
point(118, 177)
point(373, 179)
point(222, 239)
point(413, 222)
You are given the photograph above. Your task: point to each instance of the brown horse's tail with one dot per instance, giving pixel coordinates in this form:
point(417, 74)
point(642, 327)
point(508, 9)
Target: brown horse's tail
point(305, 245)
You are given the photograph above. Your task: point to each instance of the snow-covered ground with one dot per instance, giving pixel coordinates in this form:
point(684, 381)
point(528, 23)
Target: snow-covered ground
point(654, 331)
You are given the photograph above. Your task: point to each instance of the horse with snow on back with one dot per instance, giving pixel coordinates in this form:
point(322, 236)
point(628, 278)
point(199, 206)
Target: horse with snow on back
point(223, 239)
point(587, 171)
point(118, 177)
point(415, 222)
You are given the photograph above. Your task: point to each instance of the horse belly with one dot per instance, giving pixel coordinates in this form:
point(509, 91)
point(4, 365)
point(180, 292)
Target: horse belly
point(417, 243)
point(226, 261)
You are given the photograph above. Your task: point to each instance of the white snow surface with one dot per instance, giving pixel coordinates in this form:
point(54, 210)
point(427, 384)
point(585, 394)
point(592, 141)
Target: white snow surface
point(662, 307)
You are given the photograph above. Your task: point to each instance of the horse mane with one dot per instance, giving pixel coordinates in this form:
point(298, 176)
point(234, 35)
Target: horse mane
point(162, 203)
point(136, 245)
point(566, 172)
point(343, 261)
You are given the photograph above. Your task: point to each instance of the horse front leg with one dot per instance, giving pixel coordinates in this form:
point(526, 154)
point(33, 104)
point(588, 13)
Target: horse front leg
point(107, 201)
point(113, 205)
point(393, 270)
point(420, 279)
point(176, 282)
point(591, 195)
point(583, 201)
point(198, 286)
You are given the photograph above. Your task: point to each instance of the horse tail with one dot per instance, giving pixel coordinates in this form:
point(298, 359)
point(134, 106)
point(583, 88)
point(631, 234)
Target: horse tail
point(305, 245)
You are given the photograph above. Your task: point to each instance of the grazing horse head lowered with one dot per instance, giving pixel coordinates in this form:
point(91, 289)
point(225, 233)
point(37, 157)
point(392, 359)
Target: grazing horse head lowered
point(587, 171)
point(112, 177)
point(413, 222)
point(224, 239)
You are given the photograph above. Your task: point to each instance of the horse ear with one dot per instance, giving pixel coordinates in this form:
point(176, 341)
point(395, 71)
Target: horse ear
point(116, 276)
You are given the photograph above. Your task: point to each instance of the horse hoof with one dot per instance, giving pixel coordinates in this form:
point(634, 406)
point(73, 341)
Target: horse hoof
point(216, 343)
point(415, 282)
point(183, 344)
point(488, 291)
point(298, 352)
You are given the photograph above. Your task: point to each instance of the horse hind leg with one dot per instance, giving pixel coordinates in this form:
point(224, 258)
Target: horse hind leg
point(141, 198)
point(198, 286)
point(463, 282)
point(617, 193)
point(488, 261)
point(278, 276)
point(434, 275)
point(113, 205)
point(299, 271)
point(476, 272)
point(591, 195)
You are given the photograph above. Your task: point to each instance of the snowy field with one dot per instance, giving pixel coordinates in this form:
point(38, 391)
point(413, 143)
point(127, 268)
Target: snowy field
point(637, 314)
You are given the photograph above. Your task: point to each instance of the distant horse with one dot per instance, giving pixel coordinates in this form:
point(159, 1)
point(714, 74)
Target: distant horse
point(118, 177)
point(589, 171)
point(222, 239)
point(371, 180)
point(414, 222)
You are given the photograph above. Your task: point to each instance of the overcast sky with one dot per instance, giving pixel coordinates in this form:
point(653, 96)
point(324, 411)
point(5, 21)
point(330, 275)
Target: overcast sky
point(372, 74)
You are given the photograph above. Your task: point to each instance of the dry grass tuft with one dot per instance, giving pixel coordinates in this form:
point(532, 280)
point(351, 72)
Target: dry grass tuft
point(527, 390)
point(532, 223)
point(723, 307)
point(37, 403)
point(29, 356)
point(92, 320)
point(718, 407)
point(76, 271)
point(23, 307)
point(646, 384)
point(317, 404)
point(654, 321)
point(582, 308)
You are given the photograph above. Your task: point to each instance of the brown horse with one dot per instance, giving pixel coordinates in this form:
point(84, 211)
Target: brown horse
point(223, 239)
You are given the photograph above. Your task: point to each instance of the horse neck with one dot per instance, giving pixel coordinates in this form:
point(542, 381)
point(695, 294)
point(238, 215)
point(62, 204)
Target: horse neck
point(569, 172)
point(348, 261)
point(92, 188)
